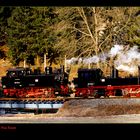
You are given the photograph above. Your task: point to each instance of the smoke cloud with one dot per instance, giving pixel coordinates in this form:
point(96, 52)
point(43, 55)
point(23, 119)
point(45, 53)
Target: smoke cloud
point(117, 49)
point(125, 58)
point(128, 60)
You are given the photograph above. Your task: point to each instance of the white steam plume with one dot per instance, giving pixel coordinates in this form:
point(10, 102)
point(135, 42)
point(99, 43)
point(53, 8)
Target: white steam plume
point(117, 49)
point(88, 60)
point(71, 61)
point(126, 59)
point(94, 59)
point(129, 69)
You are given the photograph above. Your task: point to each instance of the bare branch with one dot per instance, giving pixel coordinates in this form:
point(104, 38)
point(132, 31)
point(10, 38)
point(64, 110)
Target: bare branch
point(85, 20)
point(116, 31)
point(82, 32)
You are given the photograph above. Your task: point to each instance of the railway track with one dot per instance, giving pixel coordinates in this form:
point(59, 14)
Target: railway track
point(30, 104)
point(36, 104)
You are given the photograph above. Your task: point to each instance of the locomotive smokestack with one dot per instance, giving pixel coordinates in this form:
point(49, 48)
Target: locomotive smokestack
point(48, 70)
point(114, 72)
point(62, 68)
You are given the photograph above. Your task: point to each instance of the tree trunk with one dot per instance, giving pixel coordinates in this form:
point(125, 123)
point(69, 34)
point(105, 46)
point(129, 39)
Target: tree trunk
point(65, 64)
point(24, 65)
point(96, 36)
point(37, 61)
point(44, 61)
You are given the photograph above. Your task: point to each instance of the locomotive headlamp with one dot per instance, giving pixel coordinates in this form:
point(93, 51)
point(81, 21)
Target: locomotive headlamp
point(36, 80)
point(4, 86)
point(102, 80)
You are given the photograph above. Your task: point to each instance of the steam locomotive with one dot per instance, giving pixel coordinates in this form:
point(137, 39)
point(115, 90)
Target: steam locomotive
point(23, 82)
point(91, 82)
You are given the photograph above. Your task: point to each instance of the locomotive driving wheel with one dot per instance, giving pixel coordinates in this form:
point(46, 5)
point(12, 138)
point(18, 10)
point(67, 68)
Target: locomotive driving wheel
point(96, 94)
point(125, 93)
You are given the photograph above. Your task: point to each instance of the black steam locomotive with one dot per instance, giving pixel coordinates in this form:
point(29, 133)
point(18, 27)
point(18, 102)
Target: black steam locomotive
point(23, 82)
point(91, 82)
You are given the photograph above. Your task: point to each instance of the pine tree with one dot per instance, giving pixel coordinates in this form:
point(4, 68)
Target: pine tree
point(5, 13)
point(26, 34)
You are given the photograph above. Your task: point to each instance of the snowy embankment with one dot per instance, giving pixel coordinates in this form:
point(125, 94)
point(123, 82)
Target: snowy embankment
point(100, 107)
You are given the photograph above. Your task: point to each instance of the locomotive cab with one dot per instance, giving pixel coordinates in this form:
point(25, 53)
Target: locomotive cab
point(13, 78)
point(88, 77)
